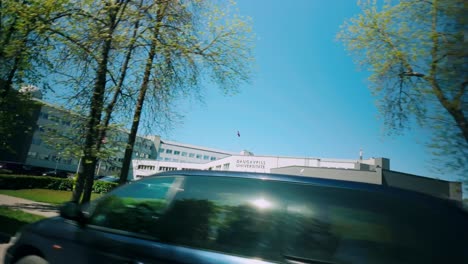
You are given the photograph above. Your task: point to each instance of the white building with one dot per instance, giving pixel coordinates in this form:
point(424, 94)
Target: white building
point(372, 171)
point(178, 152)
point(243, 162)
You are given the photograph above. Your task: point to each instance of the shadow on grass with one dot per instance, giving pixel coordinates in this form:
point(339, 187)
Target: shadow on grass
point(8, 227)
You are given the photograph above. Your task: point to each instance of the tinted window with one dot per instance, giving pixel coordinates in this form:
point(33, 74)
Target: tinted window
point(273, 220)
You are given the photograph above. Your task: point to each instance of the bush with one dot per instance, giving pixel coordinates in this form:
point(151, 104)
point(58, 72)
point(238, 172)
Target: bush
point(16, 182)
point(103, 187)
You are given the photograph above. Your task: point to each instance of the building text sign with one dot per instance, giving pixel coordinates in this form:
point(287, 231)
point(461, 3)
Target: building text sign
point(251, 164)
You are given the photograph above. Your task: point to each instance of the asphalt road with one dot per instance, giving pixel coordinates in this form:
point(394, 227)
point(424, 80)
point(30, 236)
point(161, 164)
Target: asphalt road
point(28, 206)
point(3, 248)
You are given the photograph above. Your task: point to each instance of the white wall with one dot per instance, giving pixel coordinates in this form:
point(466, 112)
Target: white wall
point(242, 163)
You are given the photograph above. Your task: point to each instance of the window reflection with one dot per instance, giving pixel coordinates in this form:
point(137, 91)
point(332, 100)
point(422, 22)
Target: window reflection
point(261, 203)
point(268, 220)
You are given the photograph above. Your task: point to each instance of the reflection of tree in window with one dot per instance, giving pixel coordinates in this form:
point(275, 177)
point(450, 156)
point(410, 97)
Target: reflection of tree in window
point(310, 236)
point(248, 231)
point(128, 214)
point(187, 222)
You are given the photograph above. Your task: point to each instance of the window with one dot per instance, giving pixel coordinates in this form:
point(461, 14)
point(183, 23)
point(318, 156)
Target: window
point(245, 217)
point(36, 141)
point(161, 150)
point(218, 167)
point(176, 152)
point(226, 166)
point(167, 159)
point(44, 115)
point(32, 154)
point(169, 151)
point(213, 158)
point(199, 156)
point(206, 157)
point(146, 167)
point(167, 169)
point(184, 154)
point(191, 155)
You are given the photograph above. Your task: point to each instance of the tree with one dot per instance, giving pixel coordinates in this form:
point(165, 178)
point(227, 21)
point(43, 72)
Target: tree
point(86, 43)
point(23, 40)
point(417, 54)
point(189, 41)
point(110, 54)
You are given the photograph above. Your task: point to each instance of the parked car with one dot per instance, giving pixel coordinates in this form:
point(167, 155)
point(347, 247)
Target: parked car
point(59, 174)
point(109, 178)
point(230, 217)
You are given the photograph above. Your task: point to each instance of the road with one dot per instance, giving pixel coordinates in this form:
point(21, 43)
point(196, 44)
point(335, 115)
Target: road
point(28, 206)
point(3, 247)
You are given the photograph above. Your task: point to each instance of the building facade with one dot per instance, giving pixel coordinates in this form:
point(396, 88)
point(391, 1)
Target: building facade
point(56, 138)
point(371, 171)
point(178, 152)
point(57, 131)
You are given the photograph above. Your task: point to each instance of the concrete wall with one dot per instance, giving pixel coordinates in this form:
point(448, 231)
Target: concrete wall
point(373, 177)
point(438, 188)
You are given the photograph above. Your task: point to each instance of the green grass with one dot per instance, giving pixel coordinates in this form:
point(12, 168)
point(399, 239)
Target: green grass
point(44, 195)
point(12, 220)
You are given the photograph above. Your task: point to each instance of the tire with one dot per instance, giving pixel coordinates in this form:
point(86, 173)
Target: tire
point(31, 259)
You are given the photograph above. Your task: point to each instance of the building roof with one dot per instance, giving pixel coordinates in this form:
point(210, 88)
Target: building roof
point(173, 143)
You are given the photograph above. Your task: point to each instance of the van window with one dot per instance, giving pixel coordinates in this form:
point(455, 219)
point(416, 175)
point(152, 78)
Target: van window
point(281, 221)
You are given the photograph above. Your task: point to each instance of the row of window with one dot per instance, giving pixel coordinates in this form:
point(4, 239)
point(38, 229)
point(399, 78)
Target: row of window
point(142, 155)
point(167, 169)
point(51, 157)
point(146, 167)
point(185, 154)
point(152, 167)
point(54, 118)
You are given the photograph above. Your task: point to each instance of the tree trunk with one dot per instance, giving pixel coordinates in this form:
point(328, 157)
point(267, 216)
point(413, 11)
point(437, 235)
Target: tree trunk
point(137, 115)
point(97, 104)
point(115, 97)
point(141, 99)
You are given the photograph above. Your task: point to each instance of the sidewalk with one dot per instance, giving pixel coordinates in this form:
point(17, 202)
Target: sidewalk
point(28, 206)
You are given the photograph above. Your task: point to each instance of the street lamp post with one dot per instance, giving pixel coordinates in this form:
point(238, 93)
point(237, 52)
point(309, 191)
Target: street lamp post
point(56, 162)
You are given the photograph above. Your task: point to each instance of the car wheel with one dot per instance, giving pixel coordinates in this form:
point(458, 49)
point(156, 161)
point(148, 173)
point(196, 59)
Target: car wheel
point(31, 259)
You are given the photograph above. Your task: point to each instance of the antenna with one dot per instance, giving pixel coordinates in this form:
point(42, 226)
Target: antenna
point(360, 153)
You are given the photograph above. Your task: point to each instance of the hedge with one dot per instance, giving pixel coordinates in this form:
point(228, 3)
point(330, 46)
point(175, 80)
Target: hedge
point(15, 182)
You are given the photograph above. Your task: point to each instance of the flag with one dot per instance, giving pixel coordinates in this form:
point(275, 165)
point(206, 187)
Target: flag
point(238, 133)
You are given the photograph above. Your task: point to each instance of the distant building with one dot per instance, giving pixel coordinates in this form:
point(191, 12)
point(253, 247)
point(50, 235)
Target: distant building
point(179, 152)
point(33, 150)
point(152, 154)
point(372, 171)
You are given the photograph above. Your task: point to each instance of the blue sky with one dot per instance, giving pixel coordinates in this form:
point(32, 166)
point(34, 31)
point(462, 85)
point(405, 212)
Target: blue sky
point(307, 98)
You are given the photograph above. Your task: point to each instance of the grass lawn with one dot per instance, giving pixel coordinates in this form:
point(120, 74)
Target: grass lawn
point(12, 220)
point(44, 195)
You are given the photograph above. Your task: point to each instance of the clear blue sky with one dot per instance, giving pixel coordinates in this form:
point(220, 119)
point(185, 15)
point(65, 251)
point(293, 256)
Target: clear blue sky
point(307, 97)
